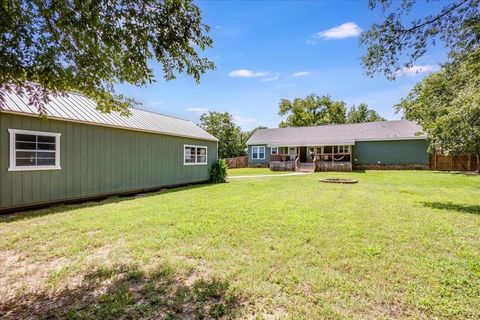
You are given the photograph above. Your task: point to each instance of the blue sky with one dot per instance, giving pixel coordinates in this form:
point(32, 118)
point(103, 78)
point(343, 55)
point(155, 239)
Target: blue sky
point(269, 50)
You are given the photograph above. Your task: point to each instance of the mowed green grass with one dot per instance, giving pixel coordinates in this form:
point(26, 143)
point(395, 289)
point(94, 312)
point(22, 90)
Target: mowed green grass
point(252, 172)
point(399, 244)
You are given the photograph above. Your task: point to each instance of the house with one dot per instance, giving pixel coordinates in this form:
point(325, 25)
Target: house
point(343, 147)
point(79, 153)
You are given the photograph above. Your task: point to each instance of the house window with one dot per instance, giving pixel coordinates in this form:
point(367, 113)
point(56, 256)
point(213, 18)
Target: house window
point(194, 155)
point(343, 149)
point(33, 150)
point(258, 152)
point(274, 150)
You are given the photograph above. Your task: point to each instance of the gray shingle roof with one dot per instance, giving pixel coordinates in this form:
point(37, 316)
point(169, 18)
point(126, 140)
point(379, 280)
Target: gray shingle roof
point(77, 108)
point(340, 134)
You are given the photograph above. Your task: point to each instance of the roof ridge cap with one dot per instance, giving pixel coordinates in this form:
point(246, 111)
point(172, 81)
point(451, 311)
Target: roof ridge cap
point(338, 124)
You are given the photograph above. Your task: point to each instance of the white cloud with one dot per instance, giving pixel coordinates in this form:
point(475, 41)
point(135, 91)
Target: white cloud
point(244, 73)
point(345, 30)
point(301, 74)
point(414, 70)
point(269, 79)
point(243, 121)
point(154, 104)
point(310, 42)
point(198, 110)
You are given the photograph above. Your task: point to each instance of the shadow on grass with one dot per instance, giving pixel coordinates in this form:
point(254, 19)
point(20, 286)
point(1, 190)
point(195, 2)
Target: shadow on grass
point(127, 292)
point(462, 173)
point(80, 204)
point(472, 209)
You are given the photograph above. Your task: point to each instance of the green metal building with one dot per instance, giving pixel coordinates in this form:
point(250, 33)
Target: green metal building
point(373, 145)
point(79, 153)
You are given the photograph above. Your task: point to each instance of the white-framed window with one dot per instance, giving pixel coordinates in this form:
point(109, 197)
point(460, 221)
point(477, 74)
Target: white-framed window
point(193, 155)
point(34, 150)
point(343, 149)
point(258, 152)
point(274, 150)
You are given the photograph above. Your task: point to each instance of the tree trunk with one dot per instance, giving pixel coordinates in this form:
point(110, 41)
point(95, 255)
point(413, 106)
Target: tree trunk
point(478, 160)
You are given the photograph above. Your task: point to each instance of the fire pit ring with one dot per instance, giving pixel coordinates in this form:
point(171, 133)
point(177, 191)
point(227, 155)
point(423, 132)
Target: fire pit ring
point(338, 180)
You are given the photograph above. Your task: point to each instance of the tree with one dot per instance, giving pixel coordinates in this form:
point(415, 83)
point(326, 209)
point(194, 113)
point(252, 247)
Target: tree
point(221, 125)
point(447, 105)
point(50, 46)
point(397, 43)
point(362, 114)
point(311, 111)
point(315, 110)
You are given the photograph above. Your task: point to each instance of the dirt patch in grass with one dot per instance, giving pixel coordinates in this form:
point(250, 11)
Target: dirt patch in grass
point(127, 291)
point(21, 275)
point(18, 274)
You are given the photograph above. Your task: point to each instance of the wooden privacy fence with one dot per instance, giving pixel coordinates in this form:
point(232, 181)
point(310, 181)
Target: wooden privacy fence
point(442, 162)
point(237, 162)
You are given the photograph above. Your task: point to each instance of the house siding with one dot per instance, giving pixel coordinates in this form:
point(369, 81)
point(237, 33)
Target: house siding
point(401, 152)
point(259, 161)
point(96, 161)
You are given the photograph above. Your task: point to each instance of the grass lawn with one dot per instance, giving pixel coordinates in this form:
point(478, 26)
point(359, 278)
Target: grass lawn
point(399, 244)
point(252, 172)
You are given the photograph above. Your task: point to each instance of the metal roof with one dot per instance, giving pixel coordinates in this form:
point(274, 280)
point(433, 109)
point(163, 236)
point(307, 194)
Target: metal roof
point(340, 134)
point(77, 108)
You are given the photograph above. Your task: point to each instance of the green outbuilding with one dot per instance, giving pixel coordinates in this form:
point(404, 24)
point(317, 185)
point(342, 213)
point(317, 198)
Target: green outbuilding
point(76, 152)
point(397, 144)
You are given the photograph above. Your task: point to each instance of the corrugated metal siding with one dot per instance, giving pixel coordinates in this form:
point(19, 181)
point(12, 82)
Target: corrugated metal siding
point(75, 107)
point(96, 160)
point(391, 152)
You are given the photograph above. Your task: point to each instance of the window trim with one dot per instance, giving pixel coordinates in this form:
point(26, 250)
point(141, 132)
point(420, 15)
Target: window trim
point(258, 152)
point(274, 148)
point(13, 165)
point(195, 163)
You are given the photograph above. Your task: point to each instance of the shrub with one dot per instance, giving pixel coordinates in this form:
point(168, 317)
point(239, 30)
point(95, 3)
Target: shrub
point(218, 172)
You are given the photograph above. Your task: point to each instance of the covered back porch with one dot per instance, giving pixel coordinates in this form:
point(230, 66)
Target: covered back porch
point(313, 158)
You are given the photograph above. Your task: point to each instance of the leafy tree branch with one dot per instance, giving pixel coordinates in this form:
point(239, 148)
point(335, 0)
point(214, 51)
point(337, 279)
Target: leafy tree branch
point(51, 47)
point(397, 43)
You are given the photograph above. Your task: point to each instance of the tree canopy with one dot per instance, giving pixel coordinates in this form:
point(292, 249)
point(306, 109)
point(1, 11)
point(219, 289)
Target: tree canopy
point(316, 110)
point(362, 114)
point(447, 105)
point(50, 46)
point(311, 110)
point(220, 124)
point(398, 42)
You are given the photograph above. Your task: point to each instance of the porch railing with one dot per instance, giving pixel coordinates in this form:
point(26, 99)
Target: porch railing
point(332, 157)
point(283, 157)
point(319, 157)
